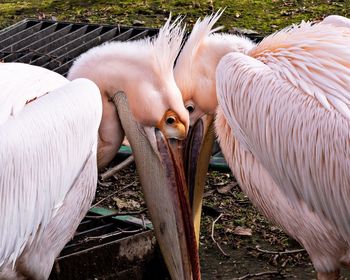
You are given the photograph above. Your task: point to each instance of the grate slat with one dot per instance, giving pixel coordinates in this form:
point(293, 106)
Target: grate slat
point(59, 53)
point(54, 45)
point(45, 52)
point(141, 35)
point(16, 28)
point(123, 36)
point(72, 54)
point(34, 46)
point(32, 38)
point(20, 35)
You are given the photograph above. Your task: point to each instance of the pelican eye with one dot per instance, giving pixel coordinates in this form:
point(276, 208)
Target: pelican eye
point(190, 108)
point(170, 120)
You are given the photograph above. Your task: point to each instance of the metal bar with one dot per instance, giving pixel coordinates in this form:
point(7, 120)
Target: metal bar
point(142, 35)
point(139, 35)
point(24, 54)
point(20, 35)
point(72, 54)
point(123, 36)
point(50, 47)
point(59, 52)
point(95, 229)
point(78, 41)
point(32, 38)
point(14, 29)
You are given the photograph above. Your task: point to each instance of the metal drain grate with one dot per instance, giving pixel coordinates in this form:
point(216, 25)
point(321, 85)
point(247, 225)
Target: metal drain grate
point(54, 45)
point(105, 247)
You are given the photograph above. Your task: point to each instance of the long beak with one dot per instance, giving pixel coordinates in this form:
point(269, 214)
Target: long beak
point(199, 146)
point(163, 181)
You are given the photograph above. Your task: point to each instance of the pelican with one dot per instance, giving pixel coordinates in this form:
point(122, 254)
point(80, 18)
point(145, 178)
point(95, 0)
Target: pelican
point(283, 123)
point(142, 102)
point(48, 174)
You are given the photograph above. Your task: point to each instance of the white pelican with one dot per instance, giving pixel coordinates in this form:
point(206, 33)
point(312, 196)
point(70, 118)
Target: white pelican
point(283, 122)
point(138, 76)
point(48, 174)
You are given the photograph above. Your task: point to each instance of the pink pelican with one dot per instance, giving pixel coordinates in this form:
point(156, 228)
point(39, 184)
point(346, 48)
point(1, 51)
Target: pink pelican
point(142, 102)
point(56, 133)
point(283, 123)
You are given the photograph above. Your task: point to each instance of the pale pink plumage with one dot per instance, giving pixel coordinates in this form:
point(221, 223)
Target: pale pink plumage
point(143, 70)
point(48, 168)
point(283, 125)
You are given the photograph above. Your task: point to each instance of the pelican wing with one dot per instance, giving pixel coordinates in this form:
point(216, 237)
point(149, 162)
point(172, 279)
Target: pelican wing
point(313, 58)
point(304, 146)
point(43, 148)
point(21, 83)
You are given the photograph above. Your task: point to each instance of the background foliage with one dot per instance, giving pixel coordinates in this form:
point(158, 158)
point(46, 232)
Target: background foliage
point(264, 16)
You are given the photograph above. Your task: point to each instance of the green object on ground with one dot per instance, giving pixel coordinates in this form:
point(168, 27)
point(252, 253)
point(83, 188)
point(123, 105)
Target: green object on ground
point(125, 218)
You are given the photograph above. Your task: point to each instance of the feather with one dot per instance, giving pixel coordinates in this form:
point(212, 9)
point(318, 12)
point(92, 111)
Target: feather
point(319, 53)
point(40, 160)
point(301, 148)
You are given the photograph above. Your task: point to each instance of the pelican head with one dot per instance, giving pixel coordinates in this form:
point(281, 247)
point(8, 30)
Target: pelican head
point(141, 99)
point(195, 76)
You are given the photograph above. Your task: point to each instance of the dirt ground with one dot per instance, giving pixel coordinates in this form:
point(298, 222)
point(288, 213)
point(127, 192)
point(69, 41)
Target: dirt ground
point(248, 242)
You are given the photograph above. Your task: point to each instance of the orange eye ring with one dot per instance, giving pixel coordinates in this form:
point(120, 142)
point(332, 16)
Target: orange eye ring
point(170, 120)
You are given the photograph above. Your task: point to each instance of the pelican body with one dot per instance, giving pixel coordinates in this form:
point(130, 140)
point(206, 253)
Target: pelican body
point(283, 123)
point(48, 174)
point(142, 102)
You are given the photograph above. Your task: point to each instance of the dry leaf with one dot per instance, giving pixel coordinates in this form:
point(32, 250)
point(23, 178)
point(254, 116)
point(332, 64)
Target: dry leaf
point(242, 231)
point(129, 204)
point(226, 189)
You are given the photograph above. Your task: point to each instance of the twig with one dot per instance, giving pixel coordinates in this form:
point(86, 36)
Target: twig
point(212, 235)
point(143, 222)
point(103, 184)
point(252, 275)
point(114, 193)
point(110, 172)
point(113, 234)
point(280, 253)
point(118, 214)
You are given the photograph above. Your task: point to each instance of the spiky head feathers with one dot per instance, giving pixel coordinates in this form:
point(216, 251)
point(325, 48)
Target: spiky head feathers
point(195, 68)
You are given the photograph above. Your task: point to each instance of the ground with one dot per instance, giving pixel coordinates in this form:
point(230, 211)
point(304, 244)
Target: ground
point(241, 232)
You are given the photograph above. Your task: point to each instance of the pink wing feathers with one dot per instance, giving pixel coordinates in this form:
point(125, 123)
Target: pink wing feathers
point(302, 144)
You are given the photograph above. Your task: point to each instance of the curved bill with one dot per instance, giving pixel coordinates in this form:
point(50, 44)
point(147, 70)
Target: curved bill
point(199, 145)
point(163, 182)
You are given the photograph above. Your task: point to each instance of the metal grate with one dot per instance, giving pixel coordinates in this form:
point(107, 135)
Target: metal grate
point(106, 247)
point(54, 45)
